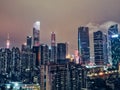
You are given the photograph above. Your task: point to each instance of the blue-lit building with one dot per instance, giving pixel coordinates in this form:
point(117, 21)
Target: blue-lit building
point(83, 44)
point(114, 44)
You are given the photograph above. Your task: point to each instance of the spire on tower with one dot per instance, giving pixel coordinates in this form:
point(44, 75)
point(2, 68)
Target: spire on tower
point(53, 39)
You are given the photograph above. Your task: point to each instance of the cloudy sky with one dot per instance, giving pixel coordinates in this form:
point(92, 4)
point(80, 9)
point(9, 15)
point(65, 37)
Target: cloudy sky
point(61, 16)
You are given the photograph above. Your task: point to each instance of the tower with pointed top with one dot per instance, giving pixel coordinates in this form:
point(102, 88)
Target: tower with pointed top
point(8, 42)
point(53, 48)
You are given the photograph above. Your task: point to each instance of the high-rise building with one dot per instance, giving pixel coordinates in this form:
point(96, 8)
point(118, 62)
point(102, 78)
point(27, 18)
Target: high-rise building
point(27, 66)
point(36, 41)
point(100, 48)
point(2, 66)
point(16, 64)
point(45, 78)
point(29, 42)
point(77, 76)
point(5, 64)
point(36, 33)
point(49, 54)
point(70, 76)
point(53, 48)
point(36, 50)
point(114, 45)
point(44, 53)
point(58, 76)
point(105, 48)
point(61, 50)
point(83, 44)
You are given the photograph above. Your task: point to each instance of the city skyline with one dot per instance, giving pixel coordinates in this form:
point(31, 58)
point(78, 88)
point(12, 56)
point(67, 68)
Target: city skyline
point(61, 17)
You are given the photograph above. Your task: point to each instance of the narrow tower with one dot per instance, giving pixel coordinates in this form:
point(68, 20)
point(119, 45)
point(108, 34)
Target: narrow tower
point(8, 42)
point(53, 48)
point(53, 39)
point(36, 32)
point(36, 41)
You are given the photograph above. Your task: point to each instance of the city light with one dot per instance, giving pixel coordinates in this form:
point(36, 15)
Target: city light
point(101, 73)
point(8, 86)
point(51, 66)
point(115, 36)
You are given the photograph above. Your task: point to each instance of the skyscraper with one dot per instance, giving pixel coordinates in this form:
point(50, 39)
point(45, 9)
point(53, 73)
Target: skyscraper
point(70, 76)
point(53, 48)
point(36, 41)
point(36, 50)
point(83, 44)
point(44, 53)
point(27, 66)
point(45, 83)
point(114, 44)
point(29, 42)
point(16, 63)
point(100, 48)
point(36, 32)
point(61, 53)
point(5, 64)
point(61, 50)
point(58, 76)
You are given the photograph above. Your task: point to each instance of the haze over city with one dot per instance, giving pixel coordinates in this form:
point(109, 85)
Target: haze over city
point(61, 16)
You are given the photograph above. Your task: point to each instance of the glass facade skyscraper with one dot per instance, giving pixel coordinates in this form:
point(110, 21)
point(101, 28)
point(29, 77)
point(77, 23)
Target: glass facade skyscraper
point(61, 49)
point(83, 44)
point(100, 48)
point(44, 53)
point(114, 45)
point(53, 58)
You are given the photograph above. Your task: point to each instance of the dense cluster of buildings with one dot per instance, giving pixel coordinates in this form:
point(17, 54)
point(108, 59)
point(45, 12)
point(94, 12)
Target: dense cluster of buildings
point(106, 46)
point(49, 66)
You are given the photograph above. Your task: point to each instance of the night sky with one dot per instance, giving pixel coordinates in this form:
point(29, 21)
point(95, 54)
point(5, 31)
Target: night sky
point(61, 16)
